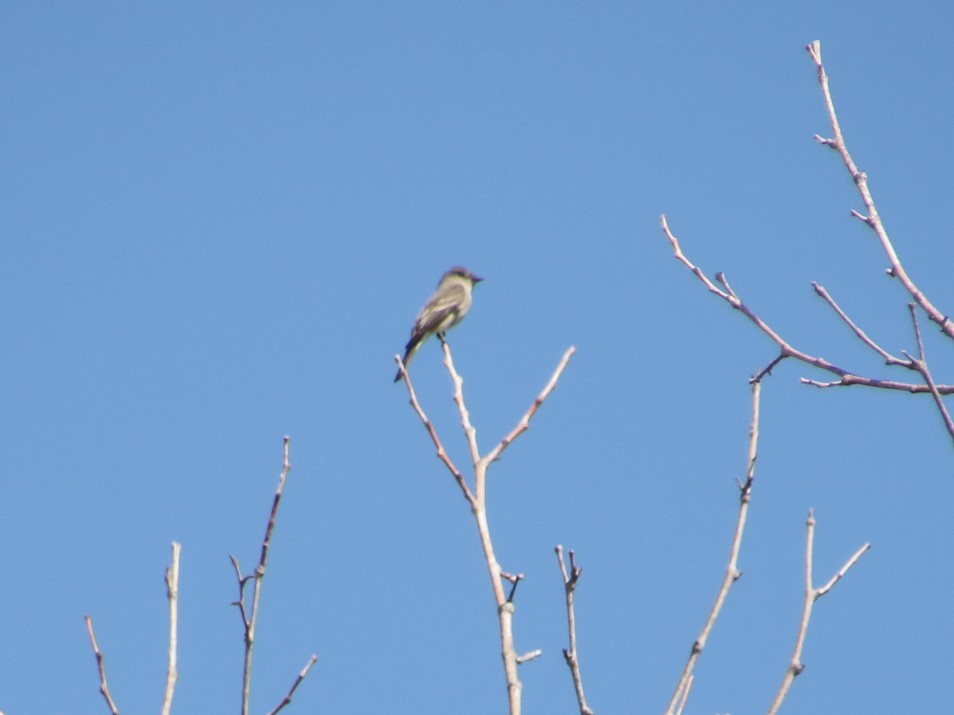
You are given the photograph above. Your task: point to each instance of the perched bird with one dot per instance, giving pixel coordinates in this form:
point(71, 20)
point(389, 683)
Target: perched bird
point(442, 311)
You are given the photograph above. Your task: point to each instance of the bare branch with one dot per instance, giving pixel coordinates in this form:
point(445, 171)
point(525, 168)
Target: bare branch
point(767, 370)
point(732, 299)
point(242, 580)
point(918, 365)
point(470, 432)
point(101, 666)
point(840, 574)
point(570, 654)
point(921, 366)
point(889, 359)
point(429, 426)
point(250, 615)
point(917, 330)
point(524, 424)
point(527, 657)
point(846, 378)
point(812, 594)
point(172, 593)
point(685, 695)
point(873, 218)
point(478, 504)
point(850, 380)
point(732, 572)
point(301, 676)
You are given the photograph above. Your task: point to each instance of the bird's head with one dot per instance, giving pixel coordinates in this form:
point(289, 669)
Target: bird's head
point(463, 273)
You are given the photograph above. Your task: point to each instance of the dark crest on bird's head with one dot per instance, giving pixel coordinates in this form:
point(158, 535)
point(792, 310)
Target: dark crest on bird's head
point(463, 273)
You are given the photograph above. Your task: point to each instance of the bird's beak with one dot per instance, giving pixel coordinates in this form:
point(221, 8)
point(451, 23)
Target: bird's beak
point(475, 279)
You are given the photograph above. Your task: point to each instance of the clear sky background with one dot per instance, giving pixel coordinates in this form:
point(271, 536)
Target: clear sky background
point(218, 221)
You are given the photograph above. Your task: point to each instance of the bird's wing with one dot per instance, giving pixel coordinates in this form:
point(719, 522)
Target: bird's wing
point(441, 306)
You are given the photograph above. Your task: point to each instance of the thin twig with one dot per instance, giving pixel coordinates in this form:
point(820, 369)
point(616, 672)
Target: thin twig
point(250, 615)
point(570, 580)
point(101, 666)
point(767, 370)
point(921, 366)
point(172, 593)
point(918, 365)
point(889, 359)
point(850, 380)
point(524, 424)
point(514, 580)
point(872, 219)
point(291, 691)
point(846, 377)
point(732, 572)
point(812, 594)
point(527, 657)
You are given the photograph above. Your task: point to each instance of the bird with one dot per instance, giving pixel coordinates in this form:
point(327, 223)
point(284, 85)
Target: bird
point(443, 310)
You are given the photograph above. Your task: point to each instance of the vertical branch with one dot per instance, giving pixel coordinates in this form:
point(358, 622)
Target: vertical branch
point(732, 572)
point(478, 503)
point(570, 579)
point(101, 666)
point(172, 593)
point(812, 594)
point(505, 604)
point(250, 616)
point(470, 432)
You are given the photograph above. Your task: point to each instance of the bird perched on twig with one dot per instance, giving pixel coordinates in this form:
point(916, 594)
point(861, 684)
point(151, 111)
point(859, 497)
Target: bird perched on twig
point(442, 311)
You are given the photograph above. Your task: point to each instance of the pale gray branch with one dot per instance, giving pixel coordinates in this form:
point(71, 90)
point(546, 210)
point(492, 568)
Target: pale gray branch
point(570, 580)
point(291, 691)
point(732, 572)
point(787, 350)
point(250, 614)
point(172, 593)
point(478, 504)
point(101, 667)
point(872, 218)
point(812, 594)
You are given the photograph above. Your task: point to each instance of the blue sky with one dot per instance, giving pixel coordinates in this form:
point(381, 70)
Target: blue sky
point(218, 223)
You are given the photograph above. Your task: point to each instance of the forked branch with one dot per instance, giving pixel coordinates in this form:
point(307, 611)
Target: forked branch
point(249, 613)
point(812, 594)
point(476, 497)
point(786, 350)
point(570, 580)
point(872, 219)
point(172, 673)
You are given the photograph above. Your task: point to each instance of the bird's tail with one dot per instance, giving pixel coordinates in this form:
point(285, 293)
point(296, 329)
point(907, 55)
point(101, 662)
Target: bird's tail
point(409, 350)
point(400, 373)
